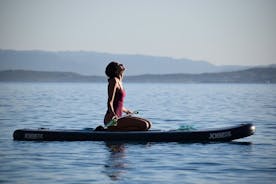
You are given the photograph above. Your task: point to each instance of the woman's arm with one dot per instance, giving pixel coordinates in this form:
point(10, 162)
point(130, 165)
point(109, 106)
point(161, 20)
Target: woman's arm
point(112, 85)
point(127, 111)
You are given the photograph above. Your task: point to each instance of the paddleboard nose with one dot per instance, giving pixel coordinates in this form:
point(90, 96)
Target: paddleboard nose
point(253, 129)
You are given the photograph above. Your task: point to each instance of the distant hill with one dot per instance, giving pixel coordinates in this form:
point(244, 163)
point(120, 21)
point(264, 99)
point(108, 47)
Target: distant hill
point(253, 75)
point(44, 76)
point(94, 63)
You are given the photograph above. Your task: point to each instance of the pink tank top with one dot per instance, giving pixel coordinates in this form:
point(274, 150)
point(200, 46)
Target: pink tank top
point(119, 102)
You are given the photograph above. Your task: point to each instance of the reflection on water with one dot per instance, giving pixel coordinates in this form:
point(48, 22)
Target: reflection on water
point(116, 163)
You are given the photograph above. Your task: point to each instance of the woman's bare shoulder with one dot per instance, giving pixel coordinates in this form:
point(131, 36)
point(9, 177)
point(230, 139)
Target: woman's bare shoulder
point(113, 81)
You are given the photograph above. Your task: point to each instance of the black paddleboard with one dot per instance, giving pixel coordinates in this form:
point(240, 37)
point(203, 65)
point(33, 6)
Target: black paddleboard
point(211, 135)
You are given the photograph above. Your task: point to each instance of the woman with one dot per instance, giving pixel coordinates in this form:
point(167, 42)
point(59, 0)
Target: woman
point(115, 103)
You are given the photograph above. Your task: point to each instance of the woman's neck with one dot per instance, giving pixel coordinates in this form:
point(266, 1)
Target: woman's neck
point(120, 77)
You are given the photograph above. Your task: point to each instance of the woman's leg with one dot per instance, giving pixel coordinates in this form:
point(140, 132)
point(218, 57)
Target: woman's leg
point(130, 123)
point(142, 119)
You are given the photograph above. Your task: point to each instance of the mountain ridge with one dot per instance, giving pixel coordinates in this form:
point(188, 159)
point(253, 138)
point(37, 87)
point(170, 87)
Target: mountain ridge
point(94, 63)
point(253, 75)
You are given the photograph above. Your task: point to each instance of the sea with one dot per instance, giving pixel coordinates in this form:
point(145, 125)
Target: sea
point(168, 106)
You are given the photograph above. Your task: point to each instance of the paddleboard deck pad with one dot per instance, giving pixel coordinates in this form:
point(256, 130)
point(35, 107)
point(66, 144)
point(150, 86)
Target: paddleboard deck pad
point(211, 135)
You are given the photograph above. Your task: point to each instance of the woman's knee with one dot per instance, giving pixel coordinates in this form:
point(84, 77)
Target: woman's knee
point(149, 124)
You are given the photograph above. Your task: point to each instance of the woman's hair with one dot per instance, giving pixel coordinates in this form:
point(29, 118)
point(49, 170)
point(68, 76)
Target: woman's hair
point(111, 70)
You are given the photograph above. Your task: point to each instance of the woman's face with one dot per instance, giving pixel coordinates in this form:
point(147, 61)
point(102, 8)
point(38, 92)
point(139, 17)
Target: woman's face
point(121, 68)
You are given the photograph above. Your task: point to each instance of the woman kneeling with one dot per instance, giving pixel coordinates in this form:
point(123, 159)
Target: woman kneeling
point(115, 103)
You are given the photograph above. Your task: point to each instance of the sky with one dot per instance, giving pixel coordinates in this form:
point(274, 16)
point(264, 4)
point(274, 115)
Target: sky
point(222, 32)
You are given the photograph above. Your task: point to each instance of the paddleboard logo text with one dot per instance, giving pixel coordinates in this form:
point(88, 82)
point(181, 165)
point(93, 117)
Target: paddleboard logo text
point(220, 135)
point(33, 136)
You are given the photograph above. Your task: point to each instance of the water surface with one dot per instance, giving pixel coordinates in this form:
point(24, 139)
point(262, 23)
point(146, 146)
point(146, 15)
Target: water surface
point(168, 106)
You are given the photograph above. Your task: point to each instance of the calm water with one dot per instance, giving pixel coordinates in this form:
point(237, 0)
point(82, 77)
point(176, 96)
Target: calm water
point(168, 106)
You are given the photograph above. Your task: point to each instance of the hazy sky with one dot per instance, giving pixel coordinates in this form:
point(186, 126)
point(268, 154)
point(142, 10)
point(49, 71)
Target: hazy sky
point(219, 31)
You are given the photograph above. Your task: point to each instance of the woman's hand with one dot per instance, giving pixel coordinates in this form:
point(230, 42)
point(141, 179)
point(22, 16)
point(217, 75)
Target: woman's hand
point(128, 112)
point(109, 116)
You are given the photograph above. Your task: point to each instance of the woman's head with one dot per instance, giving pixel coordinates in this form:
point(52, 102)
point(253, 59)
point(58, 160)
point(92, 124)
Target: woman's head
point(114, 69)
